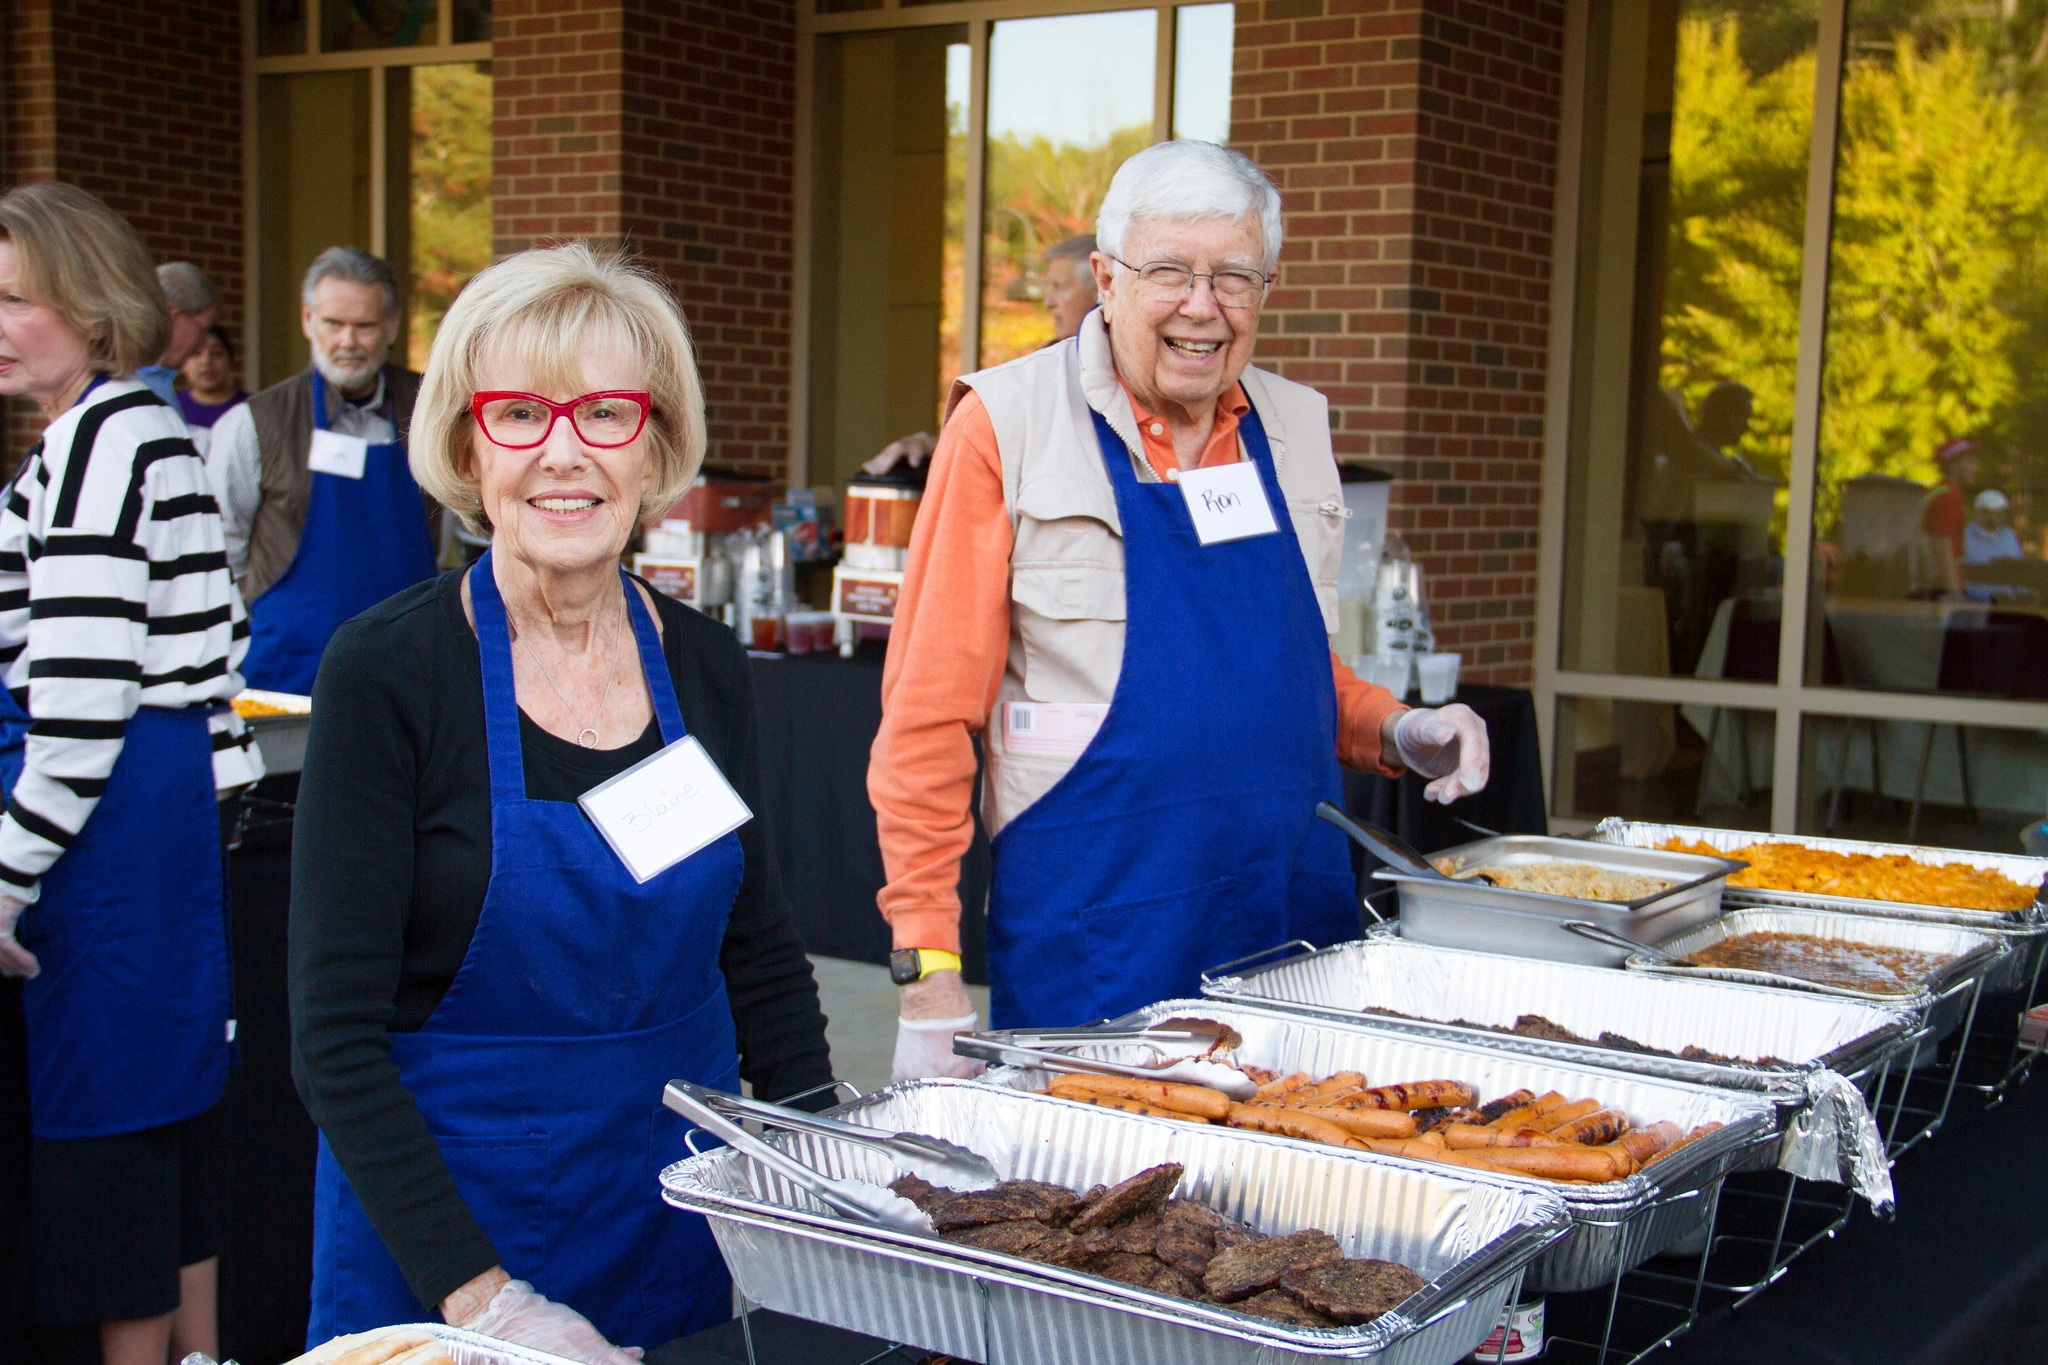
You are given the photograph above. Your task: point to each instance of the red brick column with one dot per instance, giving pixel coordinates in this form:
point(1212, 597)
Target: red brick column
point(142, 105)
point(670, 127)
point(1415, 142)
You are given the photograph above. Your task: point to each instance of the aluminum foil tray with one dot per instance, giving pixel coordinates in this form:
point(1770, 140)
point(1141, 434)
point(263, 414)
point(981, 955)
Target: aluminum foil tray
point(1470, 1234)
point(1616, 1226)
point(281, 739)
point(1437, 985)
point(1471, 914)
point(1975, 954)
point(2025, 930)
point(467, 1348)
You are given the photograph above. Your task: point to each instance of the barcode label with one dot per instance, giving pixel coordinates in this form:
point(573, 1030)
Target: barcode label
point(1020, 719)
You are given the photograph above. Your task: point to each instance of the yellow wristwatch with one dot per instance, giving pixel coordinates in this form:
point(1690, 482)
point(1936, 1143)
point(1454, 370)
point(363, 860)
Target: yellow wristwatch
point(915, 964)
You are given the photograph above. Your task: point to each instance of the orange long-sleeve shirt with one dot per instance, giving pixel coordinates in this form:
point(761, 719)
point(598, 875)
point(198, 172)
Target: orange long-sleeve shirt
point(947, 649)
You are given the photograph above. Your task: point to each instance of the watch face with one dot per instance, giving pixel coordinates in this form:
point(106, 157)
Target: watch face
point(903, 966)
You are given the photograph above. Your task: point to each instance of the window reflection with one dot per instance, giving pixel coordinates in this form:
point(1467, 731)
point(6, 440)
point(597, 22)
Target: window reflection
point(449, 219)
point(1661, 762)
point(1203, 39)
point(1683, 412)
point(350, 25)
point(1069, 98)
point(1929, 567)
point(280, 28)
point(1953, 786)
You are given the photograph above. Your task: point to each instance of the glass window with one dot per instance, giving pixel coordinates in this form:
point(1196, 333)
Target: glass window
point(1202, 46)
point(350, 25)
point(448, 216)
point(1695, 181)
point(1662, 762)
point(1929, 569)
point(1952, 786)
point(280, 27)
point(313, 193)
point(472, 21)
point(886, 239)
point(1069, 98)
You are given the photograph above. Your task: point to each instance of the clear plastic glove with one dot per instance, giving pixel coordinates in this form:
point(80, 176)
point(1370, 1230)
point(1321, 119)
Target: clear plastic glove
point(15, 960)
point(519, 1315)
point(1448, 744)
point(924, 1048)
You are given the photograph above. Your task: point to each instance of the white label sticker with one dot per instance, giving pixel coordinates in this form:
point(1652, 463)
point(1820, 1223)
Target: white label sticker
point(664, 808)
point(334, 453)
point(1051, 729)
point(1227, 502)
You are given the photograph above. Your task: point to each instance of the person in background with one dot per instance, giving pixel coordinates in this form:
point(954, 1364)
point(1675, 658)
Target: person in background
point(1989, 535)
point(486, 1002)
point(1069, 284)
point(210, 387)
point(1944, 512)
point(1158, 705)
point(323, 519)
point(121, 633)
point(194, 301)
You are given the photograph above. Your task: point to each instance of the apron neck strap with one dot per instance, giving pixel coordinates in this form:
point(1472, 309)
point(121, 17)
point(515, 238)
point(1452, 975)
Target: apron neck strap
point(653, 663)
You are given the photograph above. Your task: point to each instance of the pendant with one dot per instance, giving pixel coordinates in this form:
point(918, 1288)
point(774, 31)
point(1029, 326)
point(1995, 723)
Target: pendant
point(587, 737)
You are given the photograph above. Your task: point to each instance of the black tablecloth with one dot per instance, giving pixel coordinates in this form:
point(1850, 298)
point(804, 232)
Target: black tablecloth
point(819, 714)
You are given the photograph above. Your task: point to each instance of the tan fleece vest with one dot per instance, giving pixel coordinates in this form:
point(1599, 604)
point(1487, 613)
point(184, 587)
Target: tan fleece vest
point(1067, 563)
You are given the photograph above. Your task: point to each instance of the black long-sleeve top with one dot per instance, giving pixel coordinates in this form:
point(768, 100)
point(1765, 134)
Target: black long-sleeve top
point(391, 856)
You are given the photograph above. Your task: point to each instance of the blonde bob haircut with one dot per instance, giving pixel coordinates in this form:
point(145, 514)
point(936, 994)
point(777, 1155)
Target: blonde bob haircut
point(82, 259)
point(538, 311)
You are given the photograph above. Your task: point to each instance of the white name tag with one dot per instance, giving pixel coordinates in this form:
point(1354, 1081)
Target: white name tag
point(1051, 729)
point(662, 809)
point(334, 453)
point(1227, 502)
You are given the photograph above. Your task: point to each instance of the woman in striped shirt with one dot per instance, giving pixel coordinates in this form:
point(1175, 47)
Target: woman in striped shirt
point(119, 636)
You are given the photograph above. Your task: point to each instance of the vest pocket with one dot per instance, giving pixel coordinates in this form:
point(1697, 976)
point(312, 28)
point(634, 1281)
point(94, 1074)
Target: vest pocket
point(1070, 620)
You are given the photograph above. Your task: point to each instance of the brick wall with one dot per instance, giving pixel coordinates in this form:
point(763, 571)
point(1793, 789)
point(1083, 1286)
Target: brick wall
point(671, 127)
point(1415, 142)
point(142, 105)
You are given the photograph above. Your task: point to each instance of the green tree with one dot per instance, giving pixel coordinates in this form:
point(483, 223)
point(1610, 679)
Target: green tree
point(451, 193)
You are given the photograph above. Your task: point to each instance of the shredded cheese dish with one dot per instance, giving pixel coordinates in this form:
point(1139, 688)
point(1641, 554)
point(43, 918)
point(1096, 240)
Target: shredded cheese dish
point(1867, 876)
point(248, 708)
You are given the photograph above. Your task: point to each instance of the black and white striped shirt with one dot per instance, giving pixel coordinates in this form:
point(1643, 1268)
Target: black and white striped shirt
point(114, 594)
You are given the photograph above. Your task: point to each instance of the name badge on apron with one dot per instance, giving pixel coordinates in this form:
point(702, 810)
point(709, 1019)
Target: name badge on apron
point(664, 808)
point(1227, 502)
point(1051, 729)
point(334, 453)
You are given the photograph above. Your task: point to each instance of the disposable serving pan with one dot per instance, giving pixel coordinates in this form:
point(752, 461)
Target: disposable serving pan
point(281, 739)
point(1616, 1226)
point(1468, 1234)
point(468, 1348)
point(1471, 998)
point(1472, 914)
point(1972, 956)
point(2025, 930)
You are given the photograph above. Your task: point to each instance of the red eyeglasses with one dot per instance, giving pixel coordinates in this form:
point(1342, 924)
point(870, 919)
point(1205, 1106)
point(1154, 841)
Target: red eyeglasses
point(520, 421)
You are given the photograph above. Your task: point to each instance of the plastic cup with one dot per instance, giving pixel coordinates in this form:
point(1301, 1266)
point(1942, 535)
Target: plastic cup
point(1391, 674)
point(1439, 675)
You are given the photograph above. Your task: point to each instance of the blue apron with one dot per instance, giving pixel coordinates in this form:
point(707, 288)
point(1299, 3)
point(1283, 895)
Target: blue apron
point(1185, 834)
point(540, 1073)
point(364, 540)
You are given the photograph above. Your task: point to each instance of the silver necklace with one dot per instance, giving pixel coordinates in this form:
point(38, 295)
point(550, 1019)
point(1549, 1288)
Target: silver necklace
point(587, 735)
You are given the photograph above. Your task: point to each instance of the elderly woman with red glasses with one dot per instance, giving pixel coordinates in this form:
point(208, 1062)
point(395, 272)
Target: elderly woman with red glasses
point(525, 893)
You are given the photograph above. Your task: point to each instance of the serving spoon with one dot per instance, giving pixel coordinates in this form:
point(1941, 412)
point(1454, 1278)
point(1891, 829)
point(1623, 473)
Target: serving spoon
point(1390, 848)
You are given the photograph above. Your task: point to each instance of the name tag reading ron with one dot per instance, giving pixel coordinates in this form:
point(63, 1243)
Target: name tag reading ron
point(662, 809)
point(1227, 502)
point(334, 453)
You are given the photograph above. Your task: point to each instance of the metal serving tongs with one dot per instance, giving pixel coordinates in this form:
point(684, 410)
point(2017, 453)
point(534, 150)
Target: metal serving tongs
point(934, 1159)
point(855, 1199)
point(1186, 1044)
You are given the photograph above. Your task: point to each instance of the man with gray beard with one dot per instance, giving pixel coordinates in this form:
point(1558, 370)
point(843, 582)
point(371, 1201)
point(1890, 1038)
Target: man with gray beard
point(321, 514)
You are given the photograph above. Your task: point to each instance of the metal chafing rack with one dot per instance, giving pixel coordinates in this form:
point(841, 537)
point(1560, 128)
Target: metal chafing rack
point(1616, 1226)
point(1473, 998)
point(1468, 1234)
point(2025, 930)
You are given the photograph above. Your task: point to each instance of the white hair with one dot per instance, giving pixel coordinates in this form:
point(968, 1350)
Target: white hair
point(1181, 181)
point(188, 288)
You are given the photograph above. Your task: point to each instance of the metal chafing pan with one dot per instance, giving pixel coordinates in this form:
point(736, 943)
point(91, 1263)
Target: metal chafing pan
point(281, 739)
point(1468, 1234)
point(1471, 914)
point(1616, 1226)
point(1435, 986)
point(1972, 955)
point(2025, 930)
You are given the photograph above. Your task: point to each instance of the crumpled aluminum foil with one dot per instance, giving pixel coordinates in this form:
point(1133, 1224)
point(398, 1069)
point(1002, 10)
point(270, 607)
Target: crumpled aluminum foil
point(1834, 1138)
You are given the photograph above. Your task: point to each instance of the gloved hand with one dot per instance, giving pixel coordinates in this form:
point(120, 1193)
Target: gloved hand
point(15, 960)
point(1447, 743)
point(519, 1315)
point(924, 1047)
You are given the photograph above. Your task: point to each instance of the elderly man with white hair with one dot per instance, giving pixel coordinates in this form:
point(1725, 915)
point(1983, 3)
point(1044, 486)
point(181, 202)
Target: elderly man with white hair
point(1123, 578)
